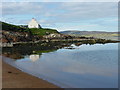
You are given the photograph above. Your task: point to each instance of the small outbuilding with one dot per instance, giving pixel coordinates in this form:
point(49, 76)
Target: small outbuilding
point(33, 24)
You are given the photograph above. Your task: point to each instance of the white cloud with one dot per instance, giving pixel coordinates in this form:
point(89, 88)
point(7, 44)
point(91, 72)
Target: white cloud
point(20, 8)
point(60, 1)
point(54, 13)
point(70, 10)
point(89, 10)
point(16, 8)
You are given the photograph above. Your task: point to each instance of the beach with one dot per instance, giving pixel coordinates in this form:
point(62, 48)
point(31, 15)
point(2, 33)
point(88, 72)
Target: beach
point(14, 78)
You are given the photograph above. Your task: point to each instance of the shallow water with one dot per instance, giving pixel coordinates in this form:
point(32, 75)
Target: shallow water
point(86, 66)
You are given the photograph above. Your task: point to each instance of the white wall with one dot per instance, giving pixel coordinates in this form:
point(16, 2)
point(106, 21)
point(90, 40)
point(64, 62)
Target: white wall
point(33, 24)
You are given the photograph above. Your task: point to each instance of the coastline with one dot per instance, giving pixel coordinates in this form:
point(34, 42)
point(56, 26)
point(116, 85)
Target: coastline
point(14, 78)
point(47, 41)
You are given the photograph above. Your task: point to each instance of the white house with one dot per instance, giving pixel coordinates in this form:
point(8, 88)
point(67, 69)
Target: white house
point(33, 24)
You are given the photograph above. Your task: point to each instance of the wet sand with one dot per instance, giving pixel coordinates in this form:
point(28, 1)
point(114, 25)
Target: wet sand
point(14, 78)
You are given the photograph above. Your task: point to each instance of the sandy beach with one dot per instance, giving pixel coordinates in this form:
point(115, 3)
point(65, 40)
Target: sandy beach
point(14, 78)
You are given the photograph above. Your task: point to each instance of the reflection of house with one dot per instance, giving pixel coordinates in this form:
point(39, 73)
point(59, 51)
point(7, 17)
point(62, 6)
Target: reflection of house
point(34, 57)
point(33, 24)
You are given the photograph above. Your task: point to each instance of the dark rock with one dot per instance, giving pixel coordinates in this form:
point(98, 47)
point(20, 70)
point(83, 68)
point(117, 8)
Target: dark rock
point(9, 72)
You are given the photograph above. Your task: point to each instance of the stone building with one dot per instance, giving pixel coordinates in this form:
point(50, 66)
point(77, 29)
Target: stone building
point(33, 24)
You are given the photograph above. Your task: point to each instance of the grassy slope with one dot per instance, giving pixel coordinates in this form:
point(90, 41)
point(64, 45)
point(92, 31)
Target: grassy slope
point(43, 31)
point(10, 27)
point(34, 31)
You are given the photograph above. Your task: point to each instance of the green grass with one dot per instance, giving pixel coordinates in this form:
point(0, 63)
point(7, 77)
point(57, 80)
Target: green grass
point(10, 27)
point(34, 31)
point(45, 51)
point(42, 31)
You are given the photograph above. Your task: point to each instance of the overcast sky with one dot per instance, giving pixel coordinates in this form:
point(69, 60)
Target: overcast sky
point(88, 16)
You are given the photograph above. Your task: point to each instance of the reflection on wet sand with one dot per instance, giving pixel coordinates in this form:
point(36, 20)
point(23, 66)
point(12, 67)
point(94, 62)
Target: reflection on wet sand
point(34, 57)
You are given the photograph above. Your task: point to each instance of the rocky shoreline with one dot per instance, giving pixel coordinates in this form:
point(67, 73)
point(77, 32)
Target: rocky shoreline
point(75, 40)
point(11, 38)
point(82, 41)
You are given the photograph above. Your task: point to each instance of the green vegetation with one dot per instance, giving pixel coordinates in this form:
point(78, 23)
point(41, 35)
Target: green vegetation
point(44, 51)
point(10, 27)
point(42, 31)
point(23, 28)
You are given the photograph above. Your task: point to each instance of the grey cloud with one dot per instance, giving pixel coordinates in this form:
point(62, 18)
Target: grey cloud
point(60, 1)
point(62, 12)
point(89, 10)
point(10, 8)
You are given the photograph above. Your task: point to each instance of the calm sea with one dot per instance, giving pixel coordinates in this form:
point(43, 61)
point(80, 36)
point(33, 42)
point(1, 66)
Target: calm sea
point(85, 66)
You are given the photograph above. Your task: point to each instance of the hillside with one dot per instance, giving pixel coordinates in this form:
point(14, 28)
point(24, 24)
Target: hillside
point(10, 27)
point(87, 32)
point(96, 34)
point(43, 31)
point(22, 28)
point(13, 33)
